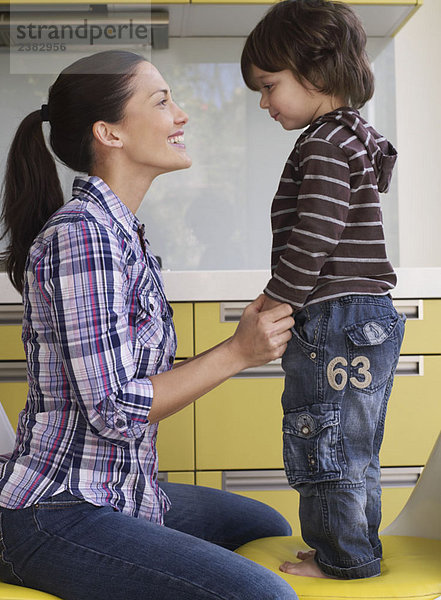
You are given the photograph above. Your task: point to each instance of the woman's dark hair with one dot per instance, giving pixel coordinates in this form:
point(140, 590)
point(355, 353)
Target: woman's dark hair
point(93, 88)
point(319, 41)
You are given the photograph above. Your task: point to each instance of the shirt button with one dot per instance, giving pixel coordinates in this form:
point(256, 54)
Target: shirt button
point(170, 360)
point(306, 430)
point(120, 423)
point(151, 307)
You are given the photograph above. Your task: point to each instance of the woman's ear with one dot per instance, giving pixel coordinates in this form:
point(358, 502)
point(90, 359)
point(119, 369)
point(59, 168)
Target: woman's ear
point(106, 134)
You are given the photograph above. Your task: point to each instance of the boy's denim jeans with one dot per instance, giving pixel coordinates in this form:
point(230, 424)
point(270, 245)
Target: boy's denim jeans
point(339, 367)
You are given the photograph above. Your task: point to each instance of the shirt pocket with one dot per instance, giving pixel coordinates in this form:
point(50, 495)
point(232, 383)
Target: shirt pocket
point(312, 444)
point(150, 319)
point(373, 351)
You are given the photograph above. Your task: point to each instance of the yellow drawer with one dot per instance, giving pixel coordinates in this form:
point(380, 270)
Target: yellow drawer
point(13, 398)
point(176, 441)
point(214, 324)
point(183, 320)
point(186, 477)
point(423, 327)
point(413, 418)
point(215, 321)
point(286, 500)
point(11, 346)
point(239, 425)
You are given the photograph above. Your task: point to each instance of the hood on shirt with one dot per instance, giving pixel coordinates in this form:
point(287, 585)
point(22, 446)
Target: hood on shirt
point(380, 151)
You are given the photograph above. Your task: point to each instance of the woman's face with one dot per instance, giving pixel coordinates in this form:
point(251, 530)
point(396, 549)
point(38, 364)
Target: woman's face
point(152, 128)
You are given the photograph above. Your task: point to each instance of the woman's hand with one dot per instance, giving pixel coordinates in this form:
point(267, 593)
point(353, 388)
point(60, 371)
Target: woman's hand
point(262, 334)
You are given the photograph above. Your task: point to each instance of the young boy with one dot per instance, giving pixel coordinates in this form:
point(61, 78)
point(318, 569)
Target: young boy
point(308, 60)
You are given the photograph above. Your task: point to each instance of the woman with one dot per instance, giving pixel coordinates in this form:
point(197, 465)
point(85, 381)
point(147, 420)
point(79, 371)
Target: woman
point(82, 513)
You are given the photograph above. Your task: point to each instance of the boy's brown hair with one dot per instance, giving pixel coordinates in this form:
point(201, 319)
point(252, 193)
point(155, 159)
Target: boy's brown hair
point(319, 41)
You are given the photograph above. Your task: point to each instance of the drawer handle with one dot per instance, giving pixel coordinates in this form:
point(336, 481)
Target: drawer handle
point(275, 480)
point(413, 309)
point(231, 312)
point(11, 314)
point(410, 365)
point(13, 371)
point(271, 369)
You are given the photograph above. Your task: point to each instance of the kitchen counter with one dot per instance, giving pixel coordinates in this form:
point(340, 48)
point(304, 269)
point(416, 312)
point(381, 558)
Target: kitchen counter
point(188, 286)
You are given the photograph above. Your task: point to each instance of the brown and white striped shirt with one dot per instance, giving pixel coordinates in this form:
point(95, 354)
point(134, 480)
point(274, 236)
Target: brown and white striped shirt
point(328, 238)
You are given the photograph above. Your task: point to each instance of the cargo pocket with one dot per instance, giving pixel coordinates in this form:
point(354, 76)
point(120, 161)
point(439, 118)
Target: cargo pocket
point(373, 351)
point(312, 446)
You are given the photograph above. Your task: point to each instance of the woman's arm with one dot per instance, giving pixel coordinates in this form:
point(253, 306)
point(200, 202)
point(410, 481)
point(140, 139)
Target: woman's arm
point(259, 338)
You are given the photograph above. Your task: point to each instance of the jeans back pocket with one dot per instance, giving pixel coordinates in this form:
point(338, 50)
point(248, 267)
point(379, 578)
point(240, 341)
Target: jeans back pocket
point(373, 351)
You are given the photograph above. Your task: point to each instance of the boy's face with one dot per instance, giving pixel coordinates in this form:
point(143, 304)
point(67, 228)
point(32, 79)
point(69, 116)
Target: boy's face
point(289, 102)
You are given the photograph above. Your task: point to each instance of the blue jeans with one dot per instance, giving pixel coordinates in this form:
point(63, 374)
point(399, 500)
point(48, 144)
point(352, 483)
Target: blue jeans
point(339, 368)
point(78, 551)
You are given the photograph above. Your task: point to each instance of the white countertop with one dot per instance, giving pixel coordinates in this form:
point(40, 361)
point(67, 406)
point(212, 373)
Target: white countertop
point(187, 286)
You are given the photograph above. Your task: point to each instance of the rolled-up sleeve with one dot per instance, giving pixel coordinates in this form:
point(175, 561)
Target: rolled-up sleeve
point(81, 276)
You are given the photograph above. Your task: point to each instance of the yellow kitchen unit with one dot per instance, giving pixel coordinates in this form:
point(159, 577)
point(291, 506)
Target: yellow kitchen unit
point(176, 433)
point(11, 346)
point(414, 413)
point(185, 477)
point(13, 389)
point(184, 325)
point(238, 425)
point(271, 487)
point(423, 326)
point(176, 441)
point(215, 322)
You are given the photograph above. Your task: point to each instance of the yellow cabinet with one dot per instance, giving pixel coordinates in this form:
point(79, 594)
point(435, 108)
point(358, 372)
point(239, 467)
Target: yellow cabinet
point(270, 487)
point(414, 415)
point(186, 477)
point(423, 326)
point(176, 433)
point(176, 441)
point(13, 396)
point(11, 346)
point(215, 322)
point(183, 320)
point(239, 425)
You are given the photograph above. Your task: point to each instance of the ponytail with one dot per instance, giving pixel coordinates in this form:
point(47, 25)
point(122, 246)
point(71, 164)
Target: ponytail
point(31, 194)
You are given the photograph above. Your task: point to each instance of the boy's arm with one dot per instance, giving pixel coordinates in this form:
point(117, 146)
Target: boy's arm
point(322, 205)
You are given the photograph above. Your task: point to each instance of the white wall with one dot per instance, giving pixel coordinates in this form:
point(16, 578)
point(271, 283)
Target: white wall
point(418, 97)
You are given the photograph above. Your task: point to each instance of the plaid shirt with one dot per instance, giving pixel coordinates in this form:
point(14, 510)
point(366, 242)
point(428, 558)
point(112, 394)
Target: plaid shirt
point(96, 325)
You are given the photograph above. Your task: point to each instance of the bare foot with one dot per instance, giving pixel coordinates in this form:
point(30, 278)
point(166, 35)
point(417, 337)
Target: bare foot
point(307, 568)
point(304, 554)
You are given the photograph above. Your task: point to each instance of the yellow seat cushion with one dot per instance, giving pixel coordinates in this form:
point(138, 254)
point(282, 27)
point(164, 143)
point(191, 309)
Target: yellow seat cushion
point(15, 592)
point(411, 569)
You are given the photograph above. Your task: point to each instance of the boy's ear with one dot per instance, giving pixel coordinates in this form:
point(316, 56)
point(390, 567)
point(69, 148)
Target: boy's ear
point(106, 134)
